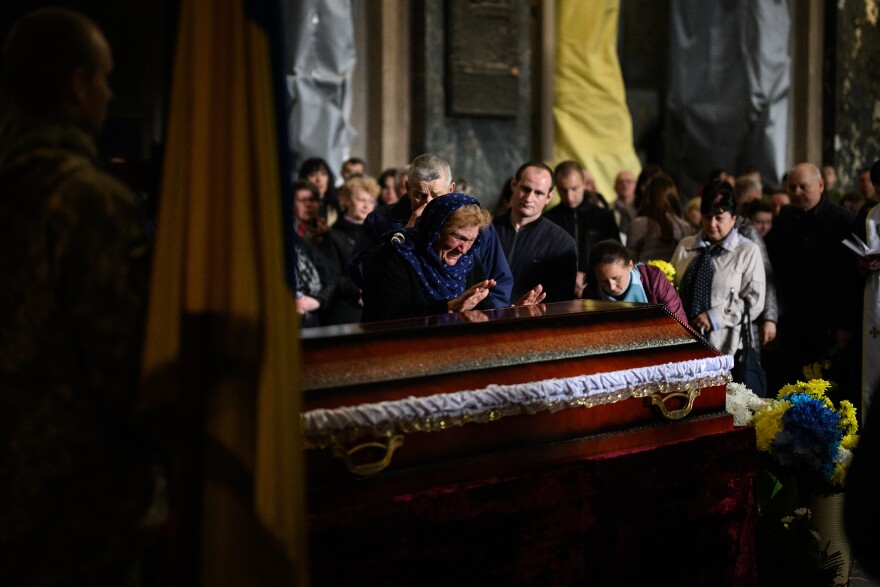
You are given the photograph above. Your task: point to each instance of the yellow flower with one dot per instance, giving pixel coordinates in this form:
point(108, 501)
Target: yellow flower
point(816, 387)
point(848, 422)
point(667, 268)
point(850, 441)
point(839, 476)
point(790, 388)
point(768, 422)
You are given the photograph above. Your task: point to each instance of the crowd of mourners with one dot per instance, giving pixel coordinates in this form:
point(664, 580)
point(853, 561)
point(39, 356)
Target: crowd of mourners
point(739, 251)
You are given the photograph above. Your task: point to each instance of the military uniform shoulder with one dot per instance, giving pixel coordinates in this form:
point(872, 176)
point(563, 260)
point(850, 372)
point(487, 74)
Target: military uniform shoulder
point(29, 140)
point(44, 156)
point(57, 170)
point(88, 182)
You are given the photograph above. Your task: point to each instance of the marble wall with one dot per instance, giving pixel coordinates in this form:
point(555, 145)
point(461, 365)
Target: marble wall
point(853, 95)
point(484, 151)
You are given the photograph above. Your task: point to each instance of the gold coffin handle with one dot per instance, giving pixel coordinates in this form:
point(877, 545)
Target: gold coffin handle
point(660, 401)
point(365, 469)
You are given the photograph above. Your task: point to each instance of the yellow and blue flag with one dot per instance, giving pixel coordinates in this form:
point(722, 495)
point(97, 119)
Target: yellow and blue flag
point(592, 121)
point(222, 339)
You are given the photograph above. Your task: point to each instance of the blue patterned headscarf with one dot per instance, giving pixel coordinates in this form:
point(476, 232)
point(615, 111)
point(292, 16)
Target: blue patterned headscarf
point(439, 280)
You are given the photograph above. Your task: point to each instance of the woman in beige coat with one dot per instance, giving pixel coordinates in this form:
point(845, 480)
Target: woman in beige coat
point(719, 272)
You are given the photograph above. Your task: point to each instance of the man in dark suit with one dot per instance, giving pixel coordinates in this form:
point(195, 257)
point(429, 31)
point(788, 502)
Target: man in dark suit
point(816, 276)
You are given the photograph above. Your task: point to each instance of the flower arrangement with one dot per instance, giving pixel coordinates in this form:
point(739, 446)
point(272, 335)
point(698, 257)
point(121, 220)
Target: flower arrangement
point(667, 268)
point(801, 430)
point(804, 450)
point(805, 435)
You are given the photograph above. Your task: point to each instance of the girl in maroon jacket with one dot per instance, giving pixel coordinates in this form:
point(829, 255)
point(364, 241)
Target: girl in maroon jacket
point(616, 278)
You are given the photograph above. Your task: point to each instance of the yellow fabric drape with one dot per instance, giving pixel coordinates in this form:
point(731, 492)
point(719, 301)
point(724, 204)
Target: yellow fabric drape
point(592, 121)
point(219, 260)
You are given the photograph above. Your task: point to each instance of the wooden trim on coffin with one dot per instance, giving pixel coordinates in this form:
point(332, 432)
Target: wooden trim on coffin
point(331, 486)
point(515, 432)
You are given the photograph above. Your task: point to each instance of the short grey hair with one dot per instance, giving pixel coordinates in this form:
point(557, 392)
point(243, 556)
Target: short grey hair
point(429, 168)
point(744, 183)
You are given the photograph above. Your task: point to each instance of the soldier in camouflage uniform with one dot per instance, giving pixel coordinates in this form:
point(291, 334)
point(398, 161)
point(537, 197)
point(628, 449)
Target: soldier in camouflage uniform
point(74, 486)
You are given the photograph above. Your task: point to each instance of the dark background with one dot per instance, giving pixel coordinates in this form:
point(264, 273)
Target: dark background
point(141, 34)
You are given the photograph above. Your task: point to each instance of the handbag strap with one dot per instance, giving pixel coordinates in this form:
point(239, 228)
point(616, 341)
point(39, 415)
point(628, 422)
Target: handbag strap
point(746, 326)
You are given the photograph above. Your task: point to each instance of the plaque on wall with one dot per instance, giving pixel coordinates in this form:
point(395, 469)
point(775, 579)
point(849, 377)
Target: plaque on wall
point(482, 41)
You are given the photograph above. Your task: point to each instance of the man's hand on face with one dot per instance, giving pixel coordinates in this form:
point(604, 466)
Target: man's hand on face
point(420, 193)
point(416, 213)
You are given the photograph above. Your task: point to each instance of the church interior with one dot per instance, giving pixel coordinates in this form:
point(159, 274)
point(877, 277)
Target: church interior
point(591, 441)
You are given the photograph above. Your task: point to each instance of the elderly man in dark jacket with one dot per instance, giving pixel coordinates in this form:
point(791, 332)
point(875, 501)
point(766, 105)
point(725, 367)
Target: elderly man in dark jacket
point(815, 274)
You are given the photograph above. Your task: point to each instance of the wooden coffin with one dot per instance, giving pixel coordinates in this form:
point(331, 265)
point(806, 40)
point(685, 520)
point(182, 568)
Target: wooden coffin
point(448, 398)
